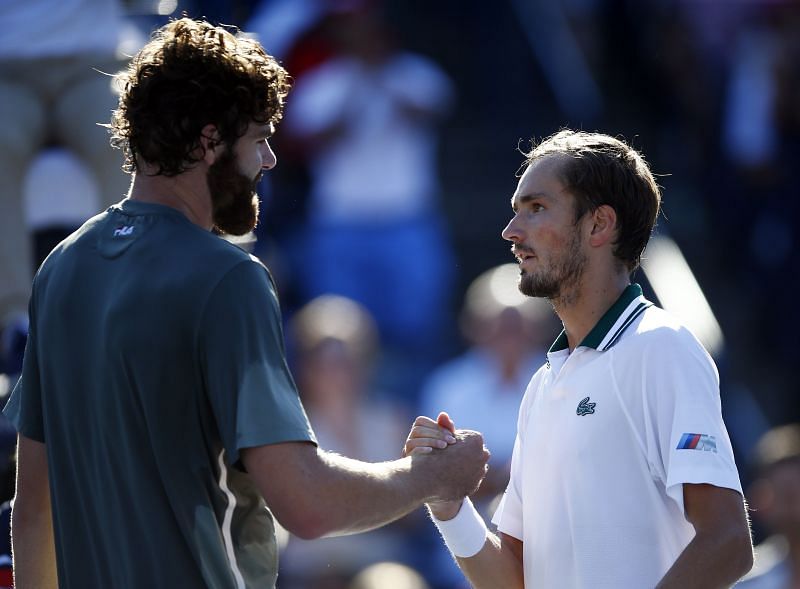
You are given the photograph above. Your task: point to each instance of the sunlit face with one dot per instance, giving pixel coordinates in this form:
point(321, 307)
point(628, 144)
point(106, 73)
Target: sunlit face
point(546, 240)
point(233, 178)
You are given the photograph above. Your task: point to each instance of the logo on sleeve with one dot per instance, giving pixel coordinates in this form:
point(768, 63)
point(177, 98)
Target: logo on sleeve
point(698, 442)
point(585, 407)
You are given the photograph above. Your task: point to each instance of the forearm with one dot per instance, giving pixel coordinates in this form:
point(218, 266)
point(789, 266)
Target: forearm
point(494, 566)
point(488, 561)
point(33, 549)
point(315, 493)
point(709, 562)
point(359, 496)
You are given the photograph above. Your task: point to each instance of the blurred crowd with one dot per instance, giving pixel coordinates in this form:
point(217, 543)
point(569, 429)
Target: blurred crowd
point(382, 220)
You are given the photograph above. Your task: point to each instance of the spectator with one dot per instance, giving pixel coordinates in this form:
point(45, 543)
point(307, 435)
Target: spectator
point(336, 345)
point(775, 500)
point(50, 89)
point(368, 119)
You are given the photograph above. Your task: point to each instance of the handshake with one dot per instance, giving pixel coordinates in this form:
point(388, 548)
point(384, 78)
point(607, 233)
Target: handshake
point(456, 461)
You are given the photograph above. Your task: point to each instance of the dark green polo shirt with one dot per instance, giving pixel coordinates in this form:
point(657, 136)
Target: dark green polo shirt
point(155, 355)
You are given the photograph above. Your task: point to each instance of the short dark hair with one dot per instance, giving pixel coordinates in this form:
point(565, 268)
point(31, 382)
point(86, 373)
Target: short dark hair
point(191, 74)
point(600, 170)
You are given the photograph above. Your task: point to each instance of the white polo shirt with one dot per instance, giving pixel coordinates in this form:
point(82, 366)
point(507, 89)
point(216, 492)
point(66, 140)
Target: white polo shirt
point(606, 437)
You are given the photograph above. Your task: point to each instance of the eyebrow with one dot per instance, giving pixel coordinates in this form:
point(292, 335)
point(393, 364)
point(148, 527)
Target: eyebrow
point(526, 198)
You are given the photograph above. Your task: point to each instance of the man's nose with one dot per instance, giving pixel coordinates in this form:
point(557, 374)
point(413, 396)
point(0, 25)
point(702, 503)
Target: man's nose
point(511, 233)
point(269, 160)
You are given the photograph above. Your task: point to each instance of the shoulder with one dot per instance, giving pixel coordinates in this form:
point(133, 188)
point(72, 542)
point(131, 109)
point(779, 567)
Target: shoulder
point(661, 352)
point(58, 263)
point(242, 276)
point(659, 332)
point(84, 233)
point(225, 256)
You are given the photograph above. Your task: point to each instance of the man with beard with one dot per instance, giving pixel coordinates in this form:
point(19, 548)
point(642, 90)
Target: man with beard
point(622, 473)
point(159, 425)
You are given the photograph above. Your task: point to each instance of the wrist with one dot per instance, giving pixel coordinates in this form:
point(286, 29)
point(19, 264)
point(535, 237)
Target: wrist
point(466, 533)
point(445, 510)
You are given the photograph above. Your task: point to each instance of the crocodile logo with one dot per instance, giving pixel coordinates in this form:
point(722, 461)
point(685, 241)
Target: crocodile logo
point(585, 407)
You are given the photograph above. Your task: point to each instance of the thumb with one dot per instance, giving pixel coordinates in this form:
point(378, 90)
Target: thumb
point(444, 421)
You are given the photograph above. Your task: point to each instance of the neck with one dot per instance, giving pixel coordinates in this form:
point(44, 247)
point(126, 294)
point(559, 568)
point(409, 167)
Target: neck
point(185, 192)
point(581, 309)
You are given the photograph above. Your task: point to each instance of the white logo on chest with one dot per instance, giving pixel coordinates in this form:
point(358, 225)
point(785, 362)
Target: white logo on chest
point(123, 231)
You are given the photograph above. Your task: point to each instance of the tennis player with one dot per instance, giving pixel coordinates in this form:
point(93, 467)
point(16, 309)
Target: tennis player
point(622, 474)
point(159, 426)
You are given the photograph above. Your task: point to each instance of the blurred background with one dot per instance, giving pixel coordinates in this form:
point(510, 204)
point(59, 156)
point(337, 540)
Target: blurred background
point(397, 157)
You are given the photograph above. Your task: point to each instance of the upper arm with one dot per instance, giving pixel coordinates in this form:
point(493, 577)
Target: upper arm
point(248, 383)
point(720, 520)
point(715, 510)
point(512, 545)
point(686, 438)
point(285, 474)
point(25, 405)
point(33, 484)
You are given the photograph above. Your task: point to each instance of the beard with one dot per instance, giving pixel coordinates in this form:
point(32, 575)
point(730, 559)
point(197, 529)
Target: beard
point(559, 281)
point(233, 196)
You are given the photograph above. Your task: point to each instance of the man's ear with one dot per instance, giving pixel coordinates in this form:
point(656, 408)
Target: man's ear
point(211, 143)
point(604, 226)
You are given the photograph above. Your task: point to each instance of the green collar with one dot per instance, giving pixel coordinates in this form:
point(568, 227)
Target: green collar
point(607, 321)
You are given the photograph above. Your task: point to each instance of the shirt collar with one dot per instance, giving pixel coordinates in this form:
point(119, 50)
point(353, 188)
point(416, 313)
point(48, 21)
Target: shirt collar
point(616, 320)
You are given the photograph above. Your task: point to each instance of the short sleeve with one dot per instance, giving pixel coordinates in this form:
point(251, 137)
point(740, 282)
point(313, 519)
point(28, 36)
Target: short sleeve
point(508, 516)
point(241, 351)
point(688, 439)
point(24, 406)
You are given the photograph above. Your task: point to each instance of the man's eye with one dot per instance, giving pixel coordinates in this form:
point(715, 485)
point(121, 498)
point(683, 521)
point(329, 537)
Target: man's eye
point(536, 207)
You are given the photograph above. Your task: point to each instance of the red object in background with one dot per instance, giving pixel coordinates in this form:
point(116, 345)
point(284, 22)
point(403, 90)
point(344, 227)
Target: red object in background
point(6, 578)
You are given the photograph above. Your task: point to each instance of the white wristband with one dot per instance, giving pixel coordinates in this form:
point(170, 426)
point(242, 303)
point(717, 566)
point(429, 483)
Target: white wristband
point(466, 533)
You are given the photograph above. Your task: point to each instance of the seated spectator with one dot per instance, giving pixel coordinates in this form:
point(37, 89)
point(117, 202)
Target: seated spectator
point(51, 90)
point(775, 501)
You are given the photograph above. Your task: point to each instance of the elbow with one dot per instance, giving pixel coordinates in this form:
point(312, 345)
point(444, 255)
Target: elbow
point(745, 558)
point(306, 529)
point(739, 553)
point(305, 522)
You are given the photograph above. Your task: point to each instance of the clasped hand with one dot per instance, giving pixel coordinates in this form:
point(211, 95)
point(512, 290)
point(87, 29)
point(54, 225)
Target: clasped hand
point(426, 436)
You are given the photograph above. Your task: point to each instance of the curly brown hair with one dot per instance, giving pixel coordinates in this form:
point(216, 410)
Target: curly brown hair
point(602, 170)
point(189, 75)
